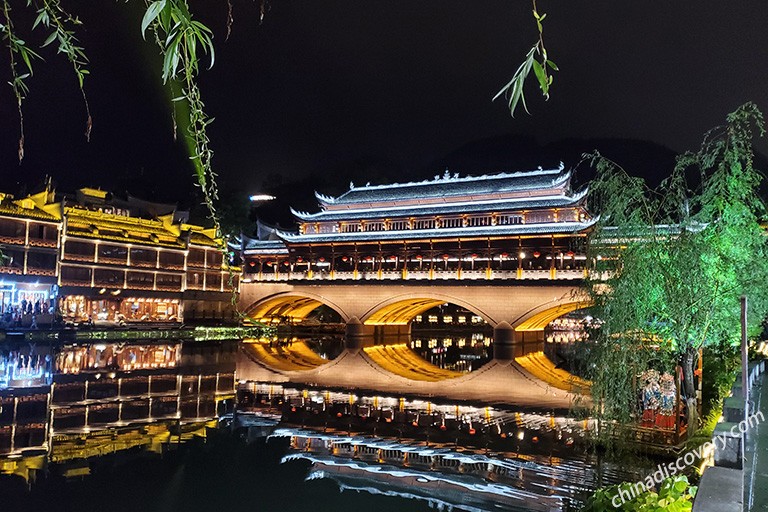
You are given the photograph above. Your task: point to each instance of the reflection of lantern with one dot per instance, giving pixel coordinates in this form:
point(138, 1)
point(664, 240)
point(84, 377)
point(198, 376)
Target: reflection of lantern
point(536, 254)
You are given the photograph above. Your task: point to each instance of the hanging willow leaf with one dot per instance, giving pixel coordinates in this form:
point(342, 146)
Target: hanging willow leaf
point(153, 11)
point(513, 91)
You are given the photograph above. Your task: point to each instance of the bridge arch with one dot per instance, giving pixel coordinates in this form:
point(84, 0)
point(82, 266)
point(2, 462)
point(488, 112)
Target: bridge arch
point(540, 317)
point(401, 309)
point(292, 305)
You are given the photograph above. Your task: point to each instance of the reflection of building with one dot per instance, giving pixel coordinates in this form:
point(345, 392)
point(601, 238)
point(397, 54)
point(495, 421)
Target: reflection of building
point(524, 225)
point(82, 388)
point(109, 260)
point(114, 384)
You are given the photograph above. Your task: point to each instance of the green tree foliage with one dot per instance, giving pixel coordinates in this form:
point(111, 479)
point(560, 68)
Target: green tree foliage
point(675, 495)
point(671, 263)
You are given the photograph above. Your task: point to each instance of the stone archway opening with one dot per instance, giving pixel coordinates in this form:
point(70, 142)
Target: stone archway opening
point(292, 309)
point(446, 339)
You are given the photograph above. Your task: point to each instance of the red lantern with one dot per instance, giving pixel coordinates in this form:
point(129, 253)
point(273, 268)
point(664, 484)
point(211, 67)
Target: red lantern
point(299, 260)
point(445, 256)
point(286, 263)
point(474, 256)
point(268, 263)
point(505, 255)
point(344, 258)
point(419, 257)
point(536, 254)
point(392, 258)
point(321, 259)
point(252, 263)
point(570, 254)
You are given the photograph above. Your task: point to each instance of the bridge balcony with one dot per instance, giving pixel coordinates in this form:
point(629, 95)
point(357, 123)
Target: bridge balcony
point(419, 275)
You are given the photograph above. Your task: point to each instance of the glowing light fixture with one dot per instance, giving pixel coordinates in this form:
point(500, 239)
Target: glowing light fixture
point(257, 198)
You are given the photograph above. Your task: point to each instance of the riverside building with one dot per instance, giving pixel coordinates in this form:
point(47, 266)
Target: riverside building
point(97, 258)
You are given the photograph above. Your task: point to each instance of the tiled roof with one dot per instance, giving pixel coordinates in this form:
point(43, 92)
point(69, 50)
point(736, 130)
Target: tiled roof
point(271, 247)
point(547, 228)
point(118, 228)
point(13, 210)
point(195, 237)
point(447, 185)
point(522, 203)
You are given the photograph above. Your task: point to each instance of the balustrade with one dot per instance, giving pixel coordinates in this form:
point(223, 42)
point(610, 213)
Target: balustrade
point(413, 275)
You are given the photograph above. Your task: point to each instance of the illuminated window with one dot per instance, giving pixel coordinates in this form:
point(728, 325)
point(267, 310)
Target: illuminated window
point(448, 319)
point(433, 319)
point(461, 319)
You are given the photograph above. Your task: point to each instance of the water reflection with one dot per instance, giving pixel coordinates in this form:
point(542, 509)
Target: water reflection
point(460, 350)
point(107, 410)
point(51, 393)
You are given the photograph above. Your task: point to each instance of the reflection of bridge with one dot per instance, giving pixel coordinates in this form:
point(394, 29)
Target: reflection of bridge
point(529, 381)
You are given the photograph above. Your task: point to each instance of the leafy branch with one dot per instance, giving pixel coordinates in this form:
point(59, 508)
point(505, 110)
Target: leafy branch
point(182, 40)
point(17, 47)
point(537, 60)
point(52, 15)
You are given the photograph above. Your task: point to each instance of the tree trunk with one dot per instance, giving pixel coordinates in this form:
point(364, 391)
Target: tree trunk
point(688, 363)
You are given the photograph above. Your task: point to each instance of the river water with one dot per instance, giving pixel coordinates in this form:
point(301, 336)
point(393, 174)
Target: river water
point(163, 425)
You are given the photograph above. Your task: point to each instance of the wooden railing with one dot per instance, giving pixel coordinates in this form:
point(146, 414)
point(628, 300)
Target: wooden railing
point(418, 275)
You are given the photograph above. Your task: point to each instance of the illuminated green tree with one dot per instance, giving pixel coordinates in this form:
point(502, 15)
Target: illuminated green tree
point(671, 263)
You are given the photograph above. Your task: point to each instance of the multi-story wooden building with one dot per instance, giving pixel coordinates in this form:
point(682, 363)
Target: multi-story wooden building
point(29, 247)
point(522, 225)
point(95, 257)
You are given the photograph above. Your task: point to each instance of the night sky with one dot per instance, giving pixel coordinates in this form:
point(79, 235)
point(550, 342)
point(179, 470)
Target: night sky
point(327, 91)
